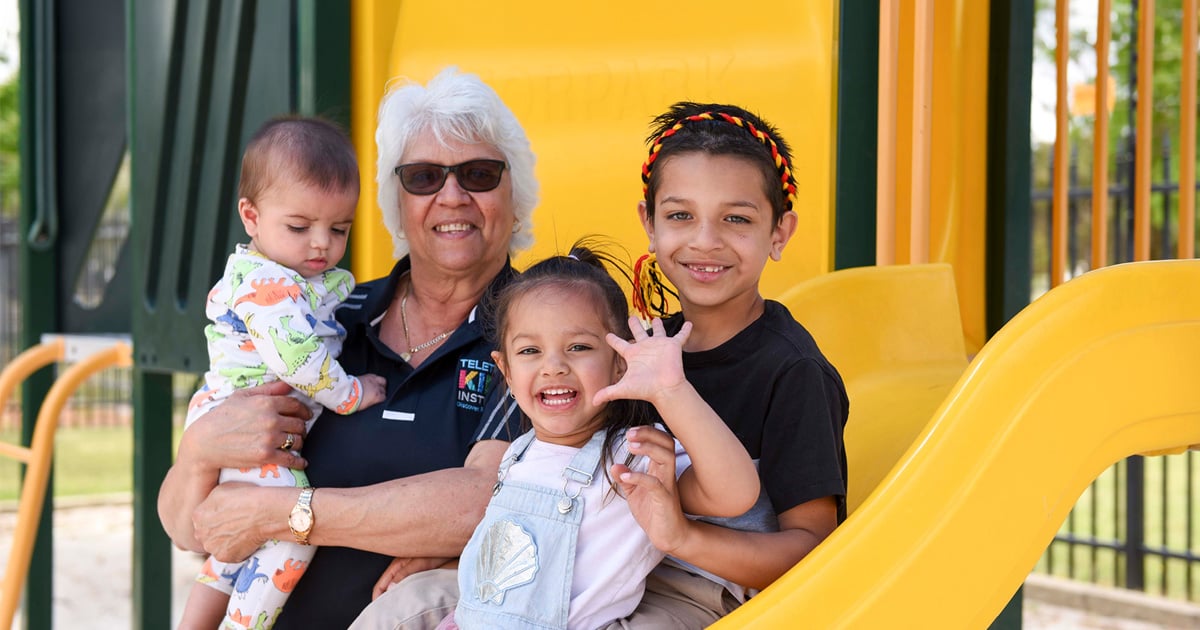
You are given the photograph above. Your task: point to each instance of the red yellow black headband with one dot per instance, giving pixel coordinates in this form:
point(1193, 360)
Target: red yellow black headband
point(785, 172)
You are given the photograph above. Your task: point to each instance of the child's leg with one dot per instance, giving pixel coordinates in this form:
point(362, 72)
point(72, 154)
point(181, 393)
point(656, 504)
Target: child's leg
point(264, 583)
point(677, 599)
point(205, 608)
point(260, 585)
point(418, 602)
point(209, 596)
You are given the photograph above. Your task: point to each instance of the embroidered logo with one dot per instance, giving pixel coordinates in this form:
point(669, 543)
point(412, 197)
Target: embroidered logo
point(507, 559)
point(475, 381)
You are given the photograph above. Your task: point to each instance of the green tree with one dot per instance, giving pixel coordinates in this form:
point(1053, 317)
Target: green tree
point(10, 151)
point(1165, 141)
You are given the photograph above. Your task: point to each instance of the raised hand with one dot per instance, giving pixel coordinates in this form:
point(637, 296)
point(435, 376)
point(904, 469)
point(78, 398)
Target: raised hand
point(652, 496)
point(653, 364)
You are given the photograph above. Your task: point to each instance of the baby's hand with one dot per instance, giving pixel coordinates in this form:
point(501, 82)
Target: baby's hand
point(374, 390)
point(653, 365)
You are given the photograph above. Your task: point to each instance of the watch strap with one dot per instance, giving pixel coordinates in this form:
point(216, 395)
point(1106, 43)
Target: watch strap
point(303, 506)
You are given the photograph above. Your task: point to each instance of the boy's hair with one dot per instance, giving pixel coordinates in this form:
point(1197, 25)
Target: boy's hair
point(716, 129)
point(314, 151)
point(582, 270)
point(454, 106)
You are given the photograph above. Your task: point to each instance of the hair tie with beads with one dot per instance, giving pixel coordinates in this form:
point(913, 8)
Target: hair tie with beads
point(785, 172)
point(651, 294)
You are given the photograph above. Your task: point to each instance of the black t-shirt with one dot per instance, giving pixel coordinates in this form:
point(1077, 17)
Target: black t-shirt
point(784, 401)
point(432, 417)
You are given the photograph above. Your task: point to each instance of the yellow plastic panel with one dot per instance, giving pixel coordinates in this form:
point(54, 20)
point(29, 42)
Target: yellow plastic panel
point(893, 333)
point(585, 80)
point(1099, 368)
point(372, 24)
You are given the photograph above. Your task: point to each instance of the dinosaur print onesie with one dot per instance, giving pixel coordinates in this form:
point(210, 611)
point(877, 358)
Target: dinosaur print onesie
point(270, 323)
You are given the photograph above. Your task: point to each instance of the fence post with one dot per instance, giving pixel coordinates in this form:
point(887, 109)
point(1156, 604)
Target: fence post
point(1125, 223)
point(1072, 211)
point(1167, 190)
point(1135, 530)
point(39, 267)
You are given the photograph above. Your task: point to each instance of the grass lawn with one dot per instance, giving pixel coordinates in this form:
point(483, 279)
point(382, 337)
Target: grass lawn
point(1172, 484)
point(88, 460)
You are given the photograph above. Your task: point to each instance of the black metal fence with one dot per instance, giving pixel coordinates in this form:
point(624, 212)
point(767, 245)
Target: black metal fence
point(10, 311)
point(1138, 525)
point(103, 400)
point(1164, 212)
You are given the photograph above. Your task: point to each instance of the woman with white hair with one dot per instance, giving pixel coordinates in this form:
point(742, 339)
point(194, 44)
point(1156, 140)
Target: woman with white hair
point(409, 477)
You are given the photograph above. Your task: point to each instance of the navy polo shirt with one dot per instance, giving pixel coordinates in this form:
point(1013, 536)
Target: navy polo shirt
point(432, 417)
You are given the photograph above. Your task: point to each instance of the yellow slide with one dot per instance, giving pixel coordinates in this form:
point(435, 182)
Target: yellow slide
point(1102, 367)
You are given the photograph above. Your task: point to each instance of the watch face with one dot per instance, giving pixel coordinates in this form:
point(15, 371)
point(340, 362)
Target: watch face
point(300, 521)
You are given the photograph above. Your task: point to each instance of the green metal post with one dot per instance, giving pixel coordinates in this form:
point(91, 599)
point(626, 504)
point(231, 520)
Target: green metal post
point(190, 112)
point(323, 60)
point(857, 131)
point(1010, 71)
point(151, 459)
point(323, 67)
point(1009, 258)
point(152, 423)
point(38, 275)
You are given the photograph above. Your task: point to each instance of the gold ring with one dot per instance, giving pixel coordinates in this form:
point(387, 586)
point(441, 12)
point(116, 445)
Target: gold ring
point(288, 442)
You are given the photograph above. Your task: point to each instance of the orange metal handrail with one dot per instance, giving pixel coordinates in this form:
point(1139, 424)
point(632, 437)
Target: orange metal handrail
point(15, 373)
point(38, 455)
point(885, 159)
point(1058, 223)
point(922, 118)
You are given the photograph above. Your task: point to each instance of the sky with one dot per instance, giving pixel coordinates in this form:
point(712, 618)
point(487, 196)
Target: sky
point(10, 24)
point(1082, 16)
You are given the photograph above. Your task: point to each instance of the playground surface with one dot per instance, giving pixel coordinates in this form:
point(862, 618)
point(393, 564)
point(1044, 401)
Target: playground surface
point(92, 557)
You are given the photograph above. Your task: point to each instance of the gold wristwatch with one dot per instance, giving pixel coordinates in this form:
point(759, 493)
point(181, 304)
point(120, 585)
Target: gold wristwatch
point(301, 519)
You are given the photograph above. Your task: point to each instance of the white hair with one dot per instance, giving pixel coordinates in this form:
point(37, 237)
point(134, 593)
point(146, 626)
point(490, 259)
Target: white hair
point(459, 106)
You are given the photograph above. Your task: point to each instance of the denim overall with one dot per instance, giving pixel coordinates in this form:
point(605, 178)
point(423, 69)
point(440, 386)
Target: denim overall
point(518, 566)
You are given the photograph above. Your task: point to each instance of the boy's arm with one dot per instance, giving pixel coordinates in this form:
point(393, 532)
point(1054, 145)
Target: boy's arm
point(722, 480)
point(756, 559)
point(753, 559)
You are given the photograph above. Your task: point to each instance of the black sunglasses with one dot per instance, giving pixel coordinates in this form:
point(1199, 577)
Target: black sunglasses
point(423, 178)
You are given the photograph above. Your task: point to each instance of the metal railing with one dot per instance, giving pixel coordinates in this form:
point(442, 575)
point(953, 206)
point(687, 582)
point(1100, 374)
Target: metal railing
point(1138, 525)
point(104, 400)
point(1130, 529)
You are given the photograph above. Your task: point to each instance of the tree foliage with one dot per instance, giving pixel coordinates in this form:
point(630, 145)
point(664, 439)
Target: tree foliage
point(10, 151)
point(1168, 47)
point(1165, 106)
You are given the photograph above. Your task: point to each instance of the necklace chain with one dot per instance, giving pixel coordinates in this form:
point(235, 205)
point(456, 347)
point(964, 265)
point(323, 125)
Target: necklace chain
point(407, 341)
